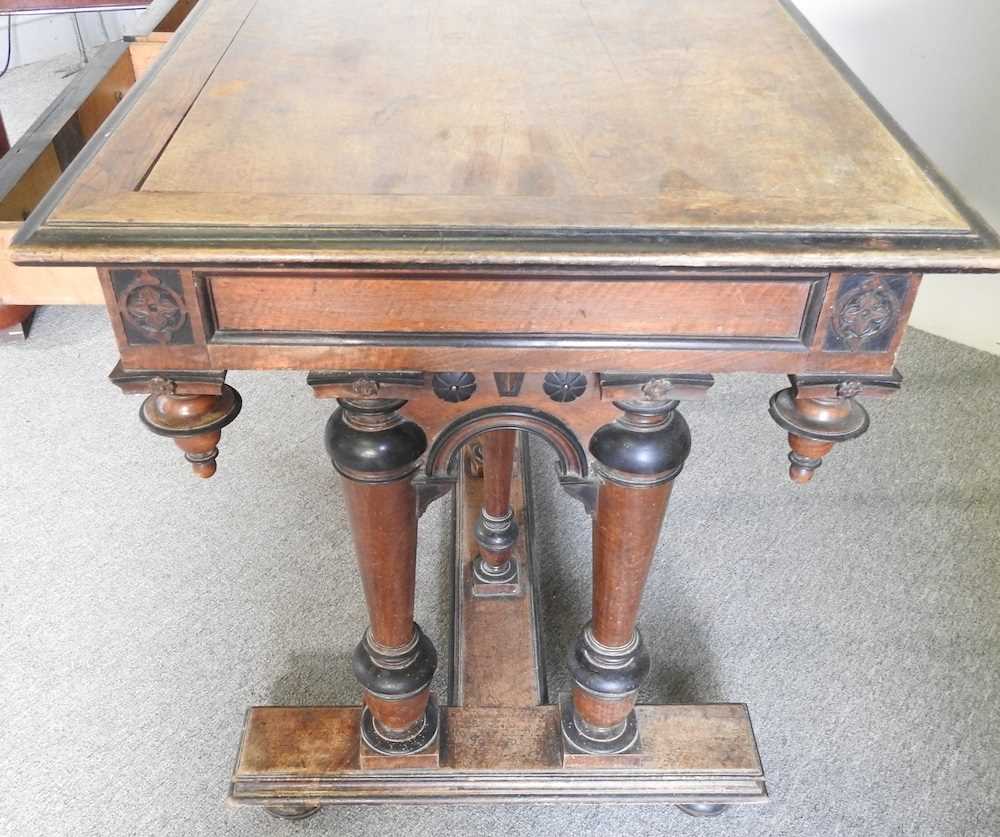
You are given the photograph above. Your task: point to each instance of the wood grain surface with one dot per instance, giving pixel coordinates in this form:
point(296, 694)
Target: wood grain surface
point(720, 308)
point(496, 661)
point(719, 134)
point(614, 114)
point(322, 741)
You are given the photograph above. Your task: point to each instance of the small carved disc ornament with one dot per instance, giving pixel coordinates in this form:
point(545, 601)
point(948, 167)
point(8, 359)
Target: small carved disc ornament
point(865, 313)
point(657, 390)
point(564, 386)
point(850, 389)
point(454, 386)
point(365, 387)
point(154, 309)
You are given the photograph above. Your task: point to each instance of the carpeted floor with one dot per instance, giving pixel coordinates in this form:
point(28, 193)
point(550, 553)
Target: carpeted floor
point(142, 610)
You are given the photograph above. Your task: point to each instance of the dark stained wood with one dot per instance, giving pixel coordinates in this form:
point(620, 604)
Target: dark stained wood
point(301, 740)
point(384, 525)
point(401, 714)
point(428, 758)
point(601, 713)
point(720, 308)
point(401, 344)
point(165, 16)
point(498, 466)
point(496, 647)
point(625, 356)
point(293, 755)
point(509, 738)
point(193, 421)
point(626, 530)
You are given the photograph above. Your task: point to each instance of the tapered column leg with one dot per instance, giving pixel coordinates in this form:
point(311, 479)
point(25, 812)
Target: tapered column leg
point(377, 452)
point(496, 530)
point(637, 458)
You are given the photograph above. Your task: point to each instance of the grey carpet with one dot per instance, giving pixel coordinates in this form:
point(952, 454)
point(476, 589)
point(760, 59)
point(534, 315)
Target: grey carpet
point(142, 610)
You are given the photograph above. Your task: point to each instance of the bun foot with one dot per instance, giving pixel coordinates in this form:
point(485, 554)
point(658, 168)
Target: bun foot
point(292, 812)
point(702, 809)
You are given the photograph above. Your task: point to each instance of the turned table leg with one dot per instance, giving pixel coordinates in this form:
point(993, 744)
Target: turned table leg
point(637, 458)
point(496, 530)
point(377, 453)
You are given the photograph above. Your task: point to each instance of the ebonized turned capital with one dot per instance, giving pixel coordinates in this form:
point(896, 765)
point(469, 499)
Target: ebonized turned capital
point(369, 441)
point(395, 673)
point(646, 445)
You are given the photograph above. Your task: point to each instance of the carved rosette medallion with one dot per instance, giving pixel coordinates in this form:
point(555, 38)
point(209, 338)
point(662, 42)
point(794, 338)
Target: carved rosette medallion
point(564, 386)
point(152, 311)
point(454, 386)
point(865, 313)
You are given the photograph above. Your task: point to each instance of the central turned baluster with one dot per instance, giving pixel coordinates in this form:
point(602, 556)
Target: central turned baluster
point(494, 570)
point(377, 452)
point(637, 458)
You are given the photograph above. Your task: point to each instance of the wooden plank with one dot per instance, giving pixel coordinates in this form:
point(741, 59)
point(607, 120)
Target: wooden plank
point(443, 357)
point(22, 196)
point(39, 138)
point(143, 54)
point(36, 163)
point(44, 285)
point(495, 660)
point(712, 308)
point(162, 16)
point(308, 755)
point(47, 148)
point(109, 90)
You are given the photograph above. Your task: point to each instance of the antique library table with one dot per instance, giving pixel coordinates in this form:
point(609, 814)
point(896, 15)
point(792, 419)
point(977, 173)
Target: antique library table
point(472, 220)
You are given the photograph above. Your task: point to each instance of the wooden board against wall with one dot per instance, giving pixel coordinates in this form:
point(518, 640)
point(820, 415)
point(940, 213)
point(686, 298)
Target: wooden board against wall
point(46, 149)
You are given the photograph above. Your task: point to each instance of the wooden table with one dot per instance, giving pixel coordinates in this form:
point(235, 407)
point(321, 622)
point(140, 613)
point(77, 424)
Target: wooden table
point(469, 222)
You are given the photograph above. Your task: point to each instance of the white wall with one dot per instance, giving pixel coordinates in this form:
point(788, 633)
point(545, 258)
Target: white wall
point(935, 65)
point(40, 37)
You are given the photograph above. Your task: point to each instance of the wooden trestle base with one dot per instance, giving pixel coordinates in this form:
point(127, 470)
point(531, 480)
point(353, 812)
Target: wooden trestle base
point(499, 740)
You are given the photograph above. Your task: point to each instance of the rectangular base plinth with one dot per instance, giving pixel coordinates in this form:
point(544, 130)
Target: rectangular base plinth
point(310, 756)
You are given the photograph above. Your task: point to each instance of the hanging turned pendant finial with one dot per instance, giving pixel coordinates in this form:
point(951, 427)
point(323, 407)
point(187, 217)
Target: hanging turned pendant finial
point(194, 422)
point(190, 408)
point(819, 411)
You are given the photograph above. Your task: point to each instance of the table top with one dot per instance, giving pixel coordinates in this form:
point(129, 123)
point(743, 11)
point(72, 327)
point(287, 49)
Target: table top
point(682, 133)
